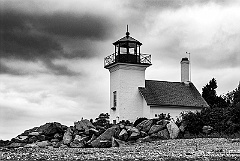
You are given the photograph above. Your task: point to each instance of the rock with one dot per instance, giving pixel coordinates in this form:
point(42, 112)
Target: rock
point(57, 144)
point(123, 135)
point(42, 144)
point(118, 143)
point(163, 134)
point(34, 133)
point(79, 142)
point(51, 128)
point(131, 129)
point(32, 139)
point(16, 145)
point(41, 137)
point(155, 129)
point(58, 136)
point(67, 137)
point(33, 145)
point(92, 131)
point(20, 139)
point(107, 135)
point(134, 133)
point(92, 138)
point(54, 140)
point(207, 129)
point(83, 125)
point(134, 136)
point(145, 125)
point(173, 130)
point(100, 129)
point(77, 145)
point(145, 139)
point(143, 134)
point(162, 122)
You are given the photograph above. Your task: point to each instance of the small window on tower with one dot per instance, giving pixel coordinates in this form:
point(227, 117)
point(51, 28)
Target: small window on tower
point(114, 98)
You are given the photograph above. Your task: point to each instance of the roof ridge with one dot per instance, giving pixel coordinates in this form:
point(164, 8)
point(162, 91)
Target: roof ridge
point(164, 81)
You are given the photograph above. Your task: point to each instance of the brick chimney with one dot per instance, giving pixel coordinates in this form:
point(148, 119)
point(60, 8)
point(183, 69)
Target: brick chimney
point(185, 70)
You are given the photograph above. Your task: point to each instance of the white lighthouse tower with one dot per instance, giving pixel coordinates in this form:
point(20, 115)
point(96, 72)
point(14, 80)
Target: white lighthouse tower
point(127, 72)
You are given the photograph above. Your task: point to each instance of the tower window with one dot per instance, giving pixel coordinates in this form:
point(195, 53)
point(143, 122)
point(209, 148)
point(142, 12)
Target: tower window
point(114, 98)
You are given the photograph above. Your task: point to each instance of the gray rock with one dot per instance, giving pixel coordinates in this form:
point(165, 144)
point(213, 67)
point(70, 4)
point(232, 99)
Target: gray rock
point(33, 145)
point(99, 142)
point(163, 134)
point(67, 137)
point(34, 133)
point(155, 129)
point(83, 125)
point(77, 145)
point(43, 144)
point(123, 135)
point(51, 128)
point(134, 136)
point(173, 130)
point(145, 139)
point(54, 140)
point(16, 145)
point(145, 125)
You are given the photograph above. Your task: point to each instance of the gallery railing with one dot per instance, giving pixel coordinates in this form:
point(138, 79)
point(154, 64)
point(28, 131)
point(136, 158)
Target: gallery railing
point(127, 58)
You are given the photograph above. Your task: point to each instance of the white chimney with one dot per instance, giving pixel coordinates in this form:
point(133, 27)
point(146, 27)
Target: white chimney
point(185, 70)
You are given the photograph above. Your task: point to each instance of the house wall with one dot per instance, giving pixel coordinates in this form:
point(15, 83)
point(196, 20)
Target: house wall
point(173, 110)
point(125, 79)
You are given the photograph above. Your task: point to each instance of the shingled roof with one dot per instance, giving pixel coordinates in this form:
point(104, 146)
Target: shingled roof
point(171, 94)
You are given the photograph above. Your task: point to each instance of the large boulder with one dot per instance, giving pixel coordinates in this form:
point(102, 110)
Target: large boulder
point(145, 125)
point(102, 140)
point(83, 125)
point(155, 129)
point(51, 128)
point(173, 129)
point(67, 137)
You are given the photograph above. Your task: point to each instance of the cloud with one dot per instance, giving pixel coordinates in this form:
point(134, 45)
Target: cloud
point(44, 37)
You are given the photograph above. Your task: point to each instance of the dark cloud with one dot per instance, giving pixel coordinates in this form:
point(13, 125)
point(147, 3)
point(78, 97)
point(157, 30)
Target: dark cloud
point(40, 37)
point(86, 26)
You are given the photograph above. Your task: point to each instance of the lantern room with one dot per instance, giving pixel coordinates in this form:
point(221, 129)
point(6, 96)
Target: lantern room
point(127, 50)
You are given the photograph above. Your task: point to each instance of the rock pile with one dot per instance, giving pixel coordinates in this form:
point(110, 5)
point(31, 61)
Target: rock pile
point(84, 134)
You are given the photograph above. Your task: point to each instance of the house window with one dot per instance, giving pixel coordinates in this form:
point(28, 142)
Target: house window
point(114, 122)
point(156, 115)
point(114, 98)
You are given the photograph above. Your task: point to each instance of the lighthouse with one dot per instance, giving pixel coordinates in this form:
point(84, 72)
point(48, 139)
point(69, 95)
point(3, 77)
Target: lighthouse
point(127, 67)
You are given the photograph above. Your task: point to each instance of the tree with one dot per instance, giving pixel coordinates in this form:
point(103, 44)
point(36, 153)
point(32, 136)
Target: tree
point(209, 92)
point(102, 120)
point(236, 97)
point(210, 95)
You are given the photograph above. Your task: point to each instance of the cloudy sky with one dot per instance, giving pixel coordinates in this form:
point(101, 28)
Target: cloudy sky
point(51, 52)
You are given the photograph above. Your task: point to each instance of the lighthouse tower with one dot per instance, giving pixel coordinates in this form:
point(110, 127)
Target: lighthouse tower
point(127, 72)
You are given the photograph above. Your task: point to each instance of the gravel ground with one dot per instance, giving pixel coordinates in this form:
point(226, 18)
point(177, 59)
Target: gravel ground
point(180, 149)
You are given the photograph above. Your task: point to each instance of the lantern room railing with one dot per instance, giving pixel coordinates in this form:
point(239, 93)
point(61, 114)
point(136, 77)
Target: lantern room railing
point(127, 58)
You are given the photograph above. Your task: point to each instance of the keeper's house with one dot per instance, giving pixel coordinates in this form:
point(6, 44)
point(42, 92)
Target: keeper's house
point(132, 97)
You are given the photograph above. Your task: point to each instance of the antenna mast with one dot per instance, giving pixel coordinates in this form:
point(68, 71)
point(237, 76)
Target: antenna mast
point(189, 64)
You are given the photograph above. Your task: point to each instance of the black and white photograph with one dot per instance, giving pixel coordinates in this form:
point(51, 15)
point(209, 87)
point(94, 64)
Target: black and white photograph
point(120, 80)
